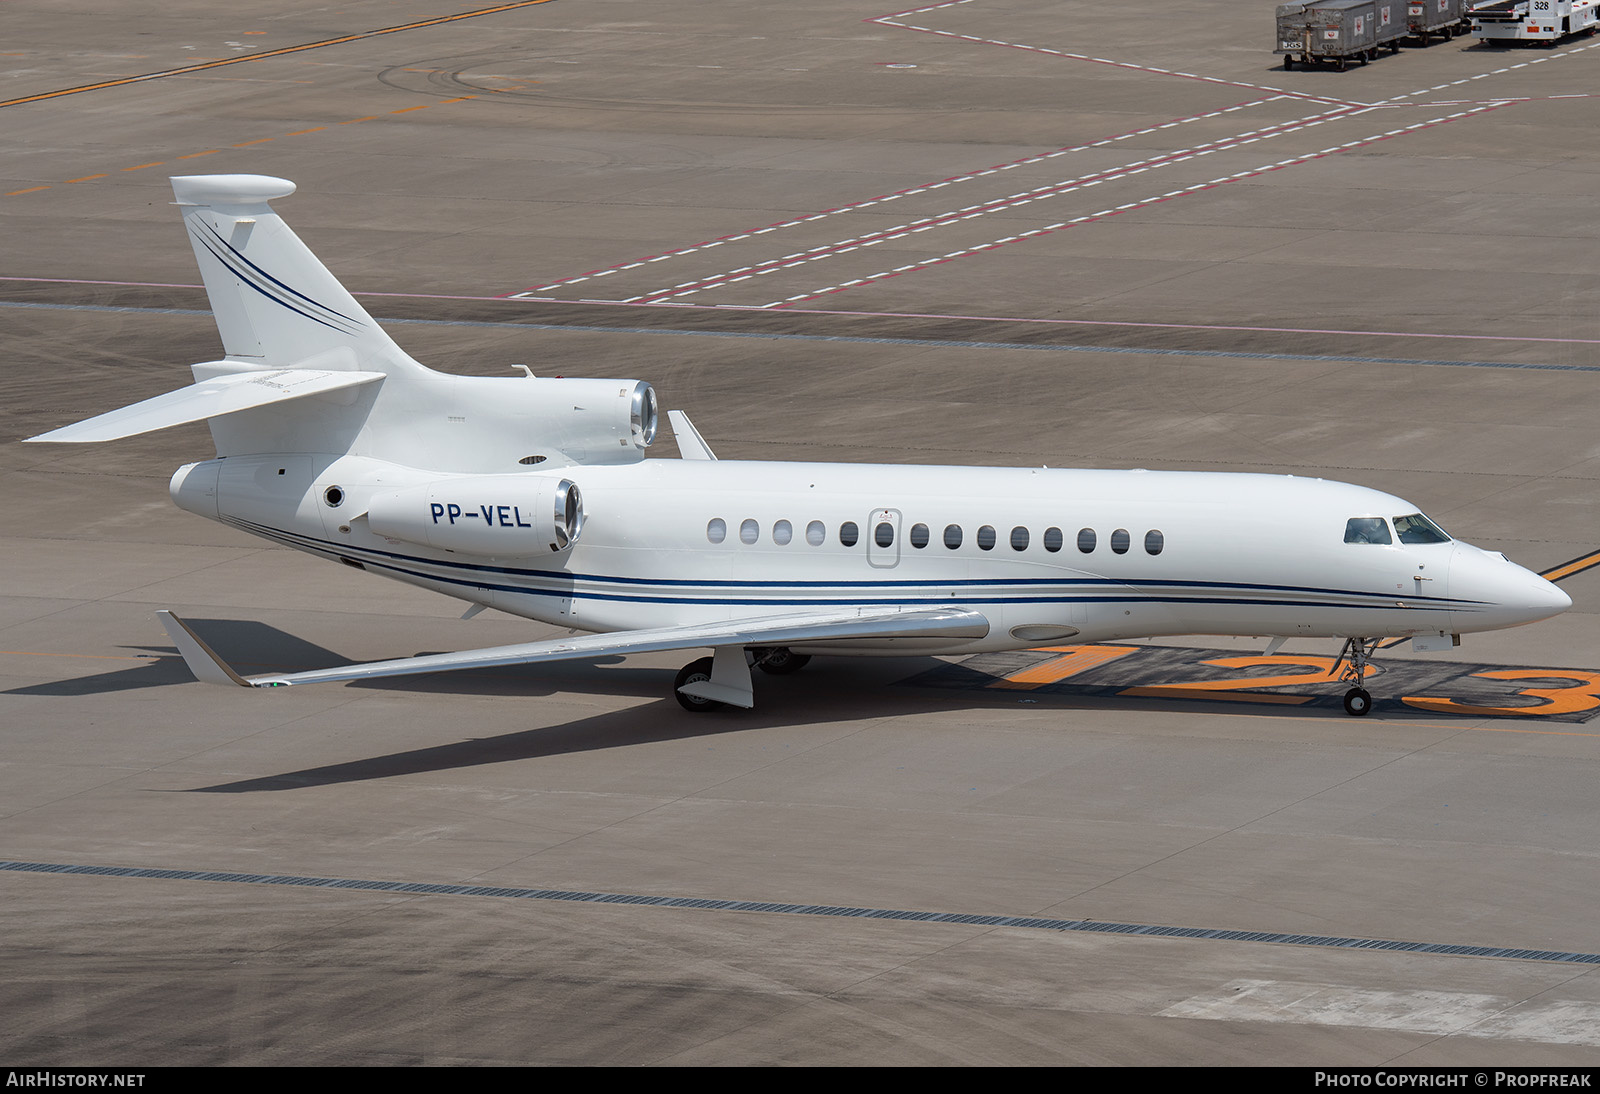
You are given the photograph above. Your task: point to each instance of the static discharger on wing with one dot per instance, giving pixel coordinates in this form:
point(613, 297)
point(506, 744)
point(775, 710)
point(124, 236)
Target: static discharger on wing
point(533, 495)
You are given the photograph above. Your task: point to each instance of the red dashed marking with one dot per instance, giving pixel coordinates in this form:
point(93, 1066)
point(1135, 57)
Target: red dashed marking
point(895, 19)
point(1013, 201)
point(734, 237)
point(892, 20)
point(1106, 214)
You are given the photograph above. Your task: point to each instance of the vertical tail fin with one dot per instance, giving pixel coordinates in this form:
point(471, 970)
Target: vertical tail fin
point(275, 304)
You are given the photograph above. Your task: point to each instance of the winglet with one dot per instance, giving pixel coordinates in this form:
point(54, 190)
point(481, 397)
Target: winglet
point(207, 667)
point(691, 446)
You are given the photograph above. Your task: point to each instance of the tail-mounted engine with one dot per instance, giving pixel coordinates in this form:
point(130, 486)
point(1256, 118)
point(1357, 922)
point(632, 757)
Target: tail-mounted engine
point(499, 516)
point(568, 421)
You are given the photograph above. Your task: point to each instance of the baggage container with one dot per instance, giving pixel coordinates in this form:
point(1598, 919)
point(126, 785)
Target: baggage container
point(1339, 31)
point(1442, 17)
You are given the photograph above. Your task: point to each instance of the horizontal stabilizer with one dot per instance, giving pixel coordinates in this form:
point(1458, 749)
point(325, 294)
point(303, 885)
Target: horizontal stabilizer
point(207, 399)
point(836, 624)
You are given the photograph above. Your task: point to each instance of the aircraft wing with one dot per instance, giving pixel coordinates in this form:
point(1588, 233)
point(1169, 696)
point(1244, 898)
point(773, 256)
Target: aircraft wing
point(207, 399)
point(833, 624)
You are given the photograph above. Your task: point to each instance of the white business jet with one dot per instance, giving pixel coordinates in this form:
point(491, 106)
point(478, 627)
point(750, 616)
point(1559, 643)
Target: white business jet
point(533, 495)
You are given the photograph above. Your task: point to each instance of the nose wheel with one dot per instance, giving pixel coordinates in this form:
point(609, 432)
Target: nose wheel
point(1354, 657)
point(1357, 701)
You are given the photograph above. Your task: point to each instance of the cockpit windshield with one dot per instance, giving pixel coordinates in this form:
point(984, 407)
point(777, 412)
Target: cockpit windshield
point(1367, 530)
point(1419, 529)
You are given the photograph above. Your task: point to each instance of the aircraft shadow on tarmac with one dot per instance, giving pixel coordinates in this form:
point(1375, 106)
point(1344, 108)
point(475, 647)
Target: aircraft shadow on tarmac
point(1106, 677)
point(655, 722)
point(861, 690)
point(261, 648)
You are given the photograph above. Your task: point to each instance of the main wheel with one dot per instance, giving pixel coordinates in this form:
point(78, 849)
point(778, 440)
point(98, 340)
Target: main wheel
point(1357, 702)
point(694, 672)
point(781, 661)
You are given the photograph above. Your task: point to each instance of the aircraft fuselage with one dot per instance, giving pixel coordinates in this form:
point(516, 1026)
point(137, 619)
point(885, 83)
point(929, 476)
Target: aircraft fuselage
point(1044, 554)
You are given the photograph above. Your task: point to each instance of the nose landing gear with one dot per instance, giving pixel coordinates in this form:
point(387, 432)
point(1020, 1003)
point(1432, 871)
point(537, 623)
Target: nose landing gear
point(1354, 657)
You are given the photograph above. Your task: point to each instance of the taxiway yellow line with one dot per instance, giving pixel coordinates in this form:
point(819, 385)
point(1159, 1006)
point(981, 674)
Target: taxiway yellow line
point(1576, 566)
point(264, 55)
point(90, 656)
point(264, 140)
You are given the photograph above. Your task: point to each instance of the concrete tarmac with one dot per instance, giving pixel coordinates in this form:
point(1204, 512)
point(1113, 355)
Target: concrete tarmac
point(992, 231)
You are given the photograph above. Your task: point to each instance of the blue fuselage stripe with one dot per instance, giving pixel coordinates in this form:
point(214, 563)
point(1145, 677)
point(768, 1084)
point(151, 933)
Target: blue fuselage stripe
point(286, 288)
point(564, 584)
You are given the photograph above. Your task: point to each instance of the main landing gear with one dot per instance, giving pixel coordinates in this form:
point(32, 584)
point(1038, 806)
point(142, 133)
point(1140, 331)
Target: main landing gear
point(695, 672)
point(779, 660)
point(721, 681)
point(1354, 657)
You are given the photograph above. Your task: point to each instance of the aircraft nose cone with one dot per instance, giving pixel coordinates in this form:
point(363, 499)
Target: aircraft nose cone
point(1529, 594)
point(1549, 597)
point(1510, 594)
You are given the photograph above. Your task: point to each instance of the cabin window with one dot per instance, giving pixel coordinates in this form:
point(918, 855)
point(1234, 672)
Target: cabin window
point(919, 536)
point(849, 534)
point(1120, 541)
point(1154, 541)
point(816, 533)
point(952, 536)
point(717, 530)
point(1052, 540)
point(986, 538)
point(782, 532)
point(1086, 540)
point(1019, 538)
point(883, 534)
point(1366, 530)
point(749, 531)
point(1419, 529)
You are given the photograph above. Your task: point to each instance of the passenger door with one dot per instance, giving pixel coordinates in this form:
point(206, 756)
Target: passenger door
point(883, 539)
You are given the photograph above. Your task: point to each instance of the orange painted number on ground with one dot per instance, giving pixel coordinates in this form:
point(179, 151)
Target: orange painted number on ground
point(1322, 673)
point(1073, 660)
point(1570, 699)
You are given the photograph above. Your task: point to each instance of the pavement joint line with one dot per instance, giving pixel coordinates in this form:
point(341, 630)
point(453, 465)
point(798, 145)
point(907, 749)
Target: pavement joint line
point(1032, 320)
point(932, 343)
point(831, 911)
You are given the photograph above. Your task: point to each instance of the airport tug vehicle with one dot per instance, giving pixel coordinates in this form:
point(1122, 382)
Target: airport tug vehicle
point(1546, 21)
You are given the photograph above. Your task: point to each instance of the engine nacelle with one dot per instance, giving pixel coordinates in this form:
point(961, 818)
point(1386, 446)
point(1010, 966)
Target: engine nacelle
point(498, 516)
point(587, 421)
